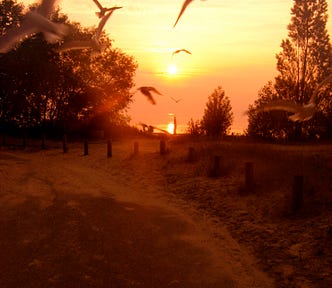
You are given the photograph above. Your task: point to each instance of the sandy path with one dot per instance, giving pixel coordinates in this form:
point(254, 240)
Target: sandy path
point(72, 221)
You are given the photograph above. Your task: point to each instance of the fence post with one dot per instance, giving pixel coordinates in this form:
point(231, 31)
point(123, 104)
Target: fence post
point(4, 140)
point(249, 176)
point(24, 140)
point(86, 148)
point(297, 196)
point(136, 148)
point(162, 147)
point(43, 144)
point(191, 155)
point(64, 143)
point(215, 170)
point(109, 149)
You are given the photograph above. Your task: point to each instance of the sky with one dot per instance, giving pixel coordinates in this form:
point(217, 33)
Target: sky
point(233, 45)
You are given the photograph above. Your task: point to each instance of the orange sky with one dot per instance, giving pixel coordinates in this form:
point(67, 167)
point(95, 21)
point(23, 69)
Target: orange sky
point(233, 45)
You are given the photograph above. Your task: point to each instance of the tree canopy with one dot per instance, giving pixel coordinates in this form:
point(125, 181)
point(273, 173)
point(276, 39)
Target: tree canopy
point(42, 88)
point(218, 115)
point(305, 60)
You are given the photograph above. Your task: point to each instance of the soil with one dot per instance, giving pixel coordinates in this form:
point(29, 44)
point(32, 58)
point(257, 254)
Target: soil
point(135, 220)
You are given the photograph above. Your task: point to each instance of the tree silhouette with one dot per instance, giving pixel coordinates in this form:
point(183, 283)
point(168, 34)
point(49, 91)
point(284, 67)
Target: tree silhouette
point(43, 89)
point(218, 115)
point(273, 124)
point(107, 78)
point(11, 14)
point(194, 127)
point(305, 60)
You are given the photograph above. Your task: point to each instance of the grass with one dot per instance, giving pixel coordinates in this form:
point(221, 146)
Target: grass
point(294, 248)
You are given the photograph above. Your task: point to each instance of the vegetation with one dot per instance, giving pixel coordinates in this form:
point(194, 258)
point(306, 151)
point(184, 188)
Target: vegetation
point(218, 115)
point(194, 127)
point(305, 60)
point(73, 91)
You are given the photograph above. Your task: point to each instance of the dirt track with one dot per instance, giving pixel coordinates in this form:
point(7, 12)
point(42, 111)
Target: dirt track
point(72, 221)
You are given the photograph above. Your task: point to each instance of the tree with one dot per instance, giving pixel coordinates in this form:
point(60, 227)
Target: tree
point(57, 90)
point(194, 127)
point(305, 60)
point(271, 125)
point(218, 116)
point(108, 81)
point(10, 14)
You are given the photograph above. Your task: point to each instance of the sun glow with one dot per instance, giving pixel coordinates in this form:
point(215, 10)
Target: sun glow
point(170, 128)
point(172, 69)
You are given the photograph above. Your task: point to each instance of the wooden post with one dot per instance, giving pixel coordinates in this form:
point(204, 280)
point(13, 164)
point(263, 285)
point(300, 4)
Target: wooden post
point(249, 177)
point(297, 196)
point(86, 148)
point(191, 155)
point(175, 124)
point(109, 149)
point(215, 170)
point(24, 140)
point(136, 148)
point(4, 140)
point(162, 147)
point(64, 143)
point(43, 144)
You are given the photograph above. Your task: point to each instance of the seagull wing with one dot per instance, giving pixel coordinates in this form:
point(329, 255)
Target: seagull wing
point(325, 81)
point(98, 5)
point(181, 50)
point(75, 45)
point(35, 21)
point(154, 90)
point(146, 91)
point(281, 105)
point(46, 7)
point(184, 6)
point(150, 98)
point(103, 21)
point(185, 50)
point(176, 100)
point(16, 34)
point(175, 52)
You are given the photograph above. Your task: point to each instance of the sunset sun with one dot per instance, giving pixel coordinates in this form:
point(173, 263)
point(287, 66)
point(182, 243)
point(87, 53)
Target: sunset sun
point(172, 69)
point(170, 128)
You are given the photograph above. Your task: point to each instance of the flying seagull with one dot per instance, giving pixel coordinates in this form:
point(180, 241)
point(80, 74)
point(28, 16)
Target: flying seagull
point(176, 100)
point(184, 6)
point(93, 42)
point(181, 50)
point(35, 21)
point(103, 10)
point(146, 90)
point(300, 112)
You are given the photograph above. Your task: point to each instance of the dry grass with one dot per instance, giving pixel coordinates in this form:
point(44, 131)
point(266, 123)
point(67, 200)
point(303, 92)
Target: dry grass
point(294, 247)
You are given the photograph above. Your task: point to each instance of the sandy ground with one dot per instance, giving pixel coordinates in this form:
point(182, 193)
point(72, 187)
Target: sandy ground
point(68, 220)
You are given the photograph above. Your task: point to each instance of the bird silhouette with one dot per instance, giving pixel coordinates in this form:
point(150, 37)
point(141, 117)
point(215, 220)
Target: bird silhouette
point(176, 100)
point(181, 50)
point(146, 90)
point(300, 112)
point(94, 42)
point(103, 10)
point(35, 21)
point(184, 6)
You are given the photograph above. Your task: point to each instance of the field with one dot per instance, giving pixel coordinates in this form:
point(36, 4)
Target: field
point(291, 244)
